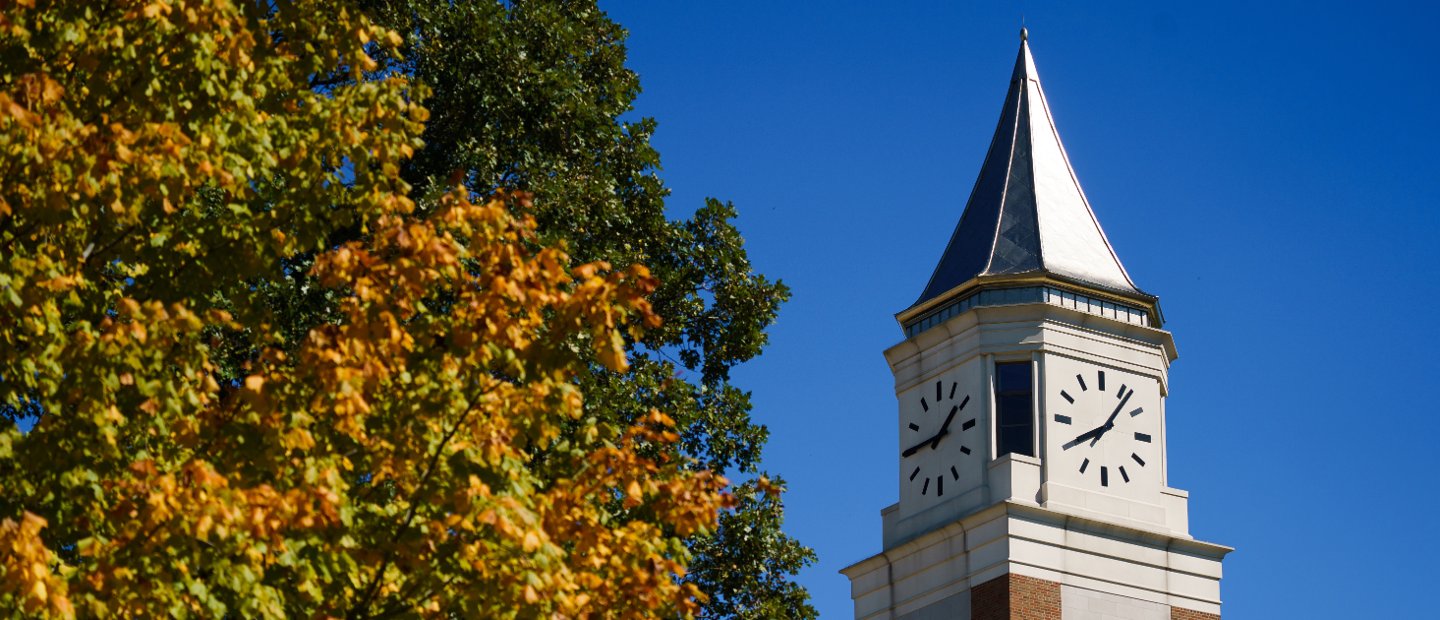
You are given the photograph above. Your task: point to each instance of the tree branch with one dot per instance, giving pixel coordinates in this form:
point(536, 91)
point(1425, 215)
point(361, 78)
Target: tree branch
point(374, 585)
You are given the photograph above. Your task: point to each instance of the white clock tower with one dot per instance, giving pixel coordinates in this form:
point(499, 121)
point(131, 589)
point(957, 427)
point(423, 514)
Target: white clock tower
point(1031, 385)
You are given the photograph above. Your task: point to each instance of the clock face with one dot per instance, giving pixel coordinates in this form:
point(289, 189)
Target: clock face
point(938, 438)
point(1103, 427)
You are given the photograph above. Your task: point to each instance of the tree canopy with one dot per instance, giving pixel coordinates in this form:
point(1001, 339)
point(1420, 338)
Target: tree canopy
point(536, 95)
point(276, 367)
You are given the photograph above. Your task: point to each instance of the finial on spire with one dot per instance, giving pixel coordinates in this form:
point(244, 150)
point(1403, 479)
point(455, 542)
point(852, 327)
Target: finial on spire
point(1024, 34)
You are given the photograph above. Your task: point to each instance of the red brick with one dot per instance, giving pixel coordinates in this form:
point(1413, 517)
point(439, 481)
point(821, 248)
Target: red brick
point(1016, 597)
point(1180, 613)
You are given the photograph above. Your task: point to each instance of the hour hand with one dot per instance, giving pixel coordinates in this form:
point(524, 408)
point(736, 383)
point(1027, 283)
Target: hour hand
point(932, 442)
point(1094, 433)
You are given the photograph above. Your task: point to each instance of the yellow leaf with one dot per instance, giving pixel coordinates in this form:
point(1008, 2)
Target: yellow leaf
point(612, 353)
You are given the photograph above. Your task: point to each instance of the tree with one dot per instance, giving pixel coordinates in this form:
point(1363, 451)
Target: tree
point(530, 95)
point(422, 444)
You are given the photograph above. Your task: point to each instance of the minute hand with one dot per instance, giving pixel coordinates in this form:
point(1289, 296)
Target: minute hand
point(1110, 421)
point(944, 428)
point(1095, 433)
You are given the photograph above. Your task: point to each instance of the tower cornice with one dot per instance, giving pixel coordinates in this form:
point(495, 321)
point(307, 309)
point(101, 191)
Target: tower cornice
point(1131, 307)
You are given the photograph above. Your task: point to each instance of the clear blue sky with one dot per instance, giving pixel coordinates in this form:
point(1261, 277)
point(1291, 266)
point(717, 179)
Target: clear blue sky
point(1269, 170)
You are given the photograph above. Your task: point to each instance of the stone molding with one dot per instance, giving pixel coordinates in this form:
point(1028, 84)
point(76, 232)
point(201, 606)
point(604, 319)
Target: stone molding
point(1014, 538)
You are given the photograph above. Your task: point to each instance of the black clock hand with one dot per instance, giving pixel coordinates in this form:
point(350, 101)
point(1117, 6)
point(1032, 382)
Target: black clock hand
point(934, 440)
point(1095, 433)
point(1110, 421)
point(944, 428)
point(916, 448)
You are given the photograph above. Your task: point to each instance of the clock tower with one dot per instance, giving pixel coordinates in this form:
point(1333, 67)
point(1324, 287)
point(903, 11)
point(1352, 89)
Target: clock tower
point(1031, 387)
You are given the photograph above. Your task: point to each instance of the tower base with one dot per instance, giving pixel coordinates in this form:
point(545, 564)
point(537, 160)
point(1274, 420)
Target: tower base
point(1019, 561)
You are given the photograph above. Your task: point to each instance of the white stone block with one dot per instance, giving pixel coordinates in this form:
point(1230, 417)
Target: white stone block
point(877, 602)
point(867, 582)
point(1193, 564)
point(1078, 602)
point(953, 607)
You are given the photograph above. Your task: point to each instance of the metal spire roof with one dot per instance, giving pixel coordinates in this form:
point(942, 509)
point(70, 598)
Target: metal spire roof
point(1027, 213)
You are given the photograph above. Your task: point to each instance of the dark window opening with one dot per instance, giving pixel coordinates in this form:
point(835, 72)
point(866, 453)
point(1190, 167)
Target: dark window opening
point(1014, 409)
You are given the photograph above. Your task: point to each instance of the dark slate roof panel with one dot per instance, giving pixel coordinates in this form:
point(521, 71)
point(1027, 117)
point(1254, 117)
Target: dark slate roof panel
point(1027, 213)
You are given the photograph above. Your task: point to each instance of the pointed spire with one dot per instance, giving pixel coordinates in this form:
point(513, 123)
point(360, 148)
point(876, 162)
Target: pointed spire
point(1027, 214)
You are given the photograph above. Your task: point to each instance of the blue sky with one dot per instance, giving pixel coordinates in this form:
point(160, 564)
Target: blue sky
point(1268, 170)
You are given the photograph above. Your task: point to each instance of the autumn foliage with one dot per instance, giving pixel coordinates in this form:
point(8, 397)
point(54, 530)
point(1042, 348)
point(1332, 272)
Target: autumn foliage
point(424, 450)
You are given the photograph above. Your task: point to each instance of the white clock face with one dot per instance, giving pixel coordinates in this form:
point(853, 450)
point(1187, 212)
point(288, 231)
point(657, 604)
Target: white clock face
point(940, 439)
point(1104, 424)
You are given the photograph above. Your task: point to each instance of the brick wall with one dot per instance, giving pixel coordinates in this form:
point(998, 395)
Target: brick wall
point(1180, 613)
point(991, 600)
point(1017, 597)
